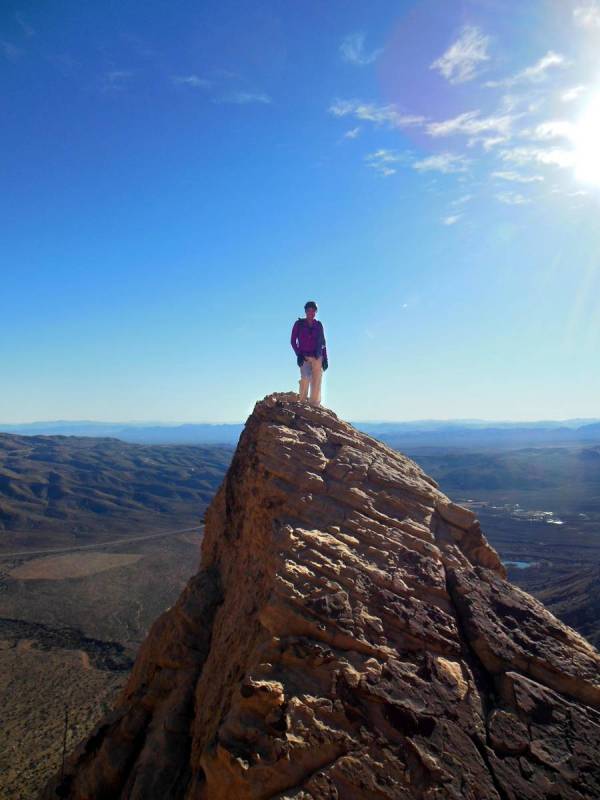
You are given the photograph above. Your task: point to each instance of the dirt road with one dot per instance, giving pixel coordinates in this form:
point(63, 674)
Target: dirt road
point(99, 544)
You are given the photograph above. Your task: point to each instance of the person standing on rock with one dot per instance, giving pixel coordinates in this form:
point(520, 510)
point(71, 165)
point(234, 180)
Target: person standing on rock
point(308, 342)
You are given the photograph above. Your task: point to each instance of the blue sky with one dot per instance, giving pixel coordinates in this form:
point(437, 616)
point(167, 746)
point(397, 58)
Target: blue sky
point(178, 179)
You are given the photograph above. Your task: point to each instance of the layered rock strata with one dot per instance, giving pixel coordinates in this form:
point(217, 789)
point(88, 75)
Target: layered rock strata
point(350, 635)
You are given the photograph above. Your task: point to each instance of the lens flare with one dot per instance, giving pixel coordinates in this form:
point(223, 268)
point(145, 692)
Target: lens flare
point(586, 139)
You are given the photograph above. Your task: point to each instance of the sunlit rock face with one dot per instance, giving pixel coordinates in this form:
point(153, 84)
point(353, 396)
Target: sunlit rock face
point(349, 634)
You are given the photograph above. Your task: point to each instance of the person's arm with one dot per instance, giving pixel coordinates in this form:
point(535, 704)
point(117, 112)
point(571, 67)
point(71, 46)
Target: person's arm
point(325, 360)
point(295, 342)
point(294, 339)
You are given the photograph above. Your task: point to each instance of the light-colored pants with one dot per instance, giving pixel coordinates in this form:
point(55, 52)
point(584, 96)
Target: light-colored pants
point(311, 373)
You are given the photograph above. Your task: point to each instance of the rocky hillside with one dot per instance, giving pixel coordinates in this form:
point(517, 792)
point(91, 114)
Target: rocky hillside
point(576, 600)
point(349, 635)
point(68, 489)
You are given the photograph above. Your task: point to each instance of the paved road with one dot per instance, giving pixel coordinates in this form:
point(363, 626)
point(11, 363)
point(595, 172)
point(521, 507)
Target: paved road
point(99, 544)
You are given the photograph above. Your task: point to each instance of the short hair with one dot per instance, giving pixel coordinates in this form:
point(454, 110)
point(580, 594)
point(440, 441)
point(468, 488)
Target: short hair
point(310, 304)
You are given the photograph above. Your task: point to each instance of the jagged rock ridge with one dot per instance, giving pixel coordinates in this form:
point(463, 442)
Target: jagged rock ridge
point(350, 634)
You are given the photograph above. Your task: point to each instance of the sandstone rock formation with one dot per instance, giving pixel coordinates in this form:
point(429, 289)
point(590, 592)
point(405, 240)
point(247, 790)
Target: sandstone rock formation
point(349, 635)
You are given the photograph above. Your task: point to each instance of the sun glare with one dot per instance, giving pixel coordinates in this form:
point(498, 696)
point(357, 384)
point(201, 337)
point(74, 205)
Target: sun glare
point(587, 144)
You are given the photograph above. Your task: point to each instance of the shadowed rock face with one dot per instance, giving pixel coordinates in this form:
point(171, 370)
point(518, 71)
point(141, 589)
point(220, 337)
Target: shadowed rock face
point(349, 635)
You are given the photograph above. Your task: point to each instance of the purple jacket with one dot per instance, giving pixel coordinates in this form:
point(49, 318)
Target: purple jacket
point(308, 340)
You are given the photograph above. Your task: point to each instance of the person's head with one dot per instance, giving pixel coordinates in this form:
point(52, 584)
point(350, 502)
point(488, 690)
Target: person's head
point(311, 309)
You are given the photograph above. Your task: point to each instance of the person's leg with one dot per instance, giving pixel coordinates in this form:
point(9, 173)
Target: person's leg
point(315, 382)
point(305, 372)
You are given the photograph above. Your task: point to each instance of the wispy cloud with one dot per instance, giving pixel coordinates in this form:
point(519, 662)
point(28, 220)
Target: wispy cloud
point(512, 199)
point(462, 59)
point(352, 49)
point(549, 156)
point(379, 115)
point(472, 124)
point(517, 177)
point(452, 219)
point(116, 80)
point(382, 161)
point(457, 210)
point(386, 162)
point(488, 142)
point(193, 81)
point(24, 25)
point(552, 129)
point(572, 94)
point(461, 201)
point(443, 162)
point(244, 98)
point(535, 73)
point(10, 51)
point(587, 15)
point(352, 133)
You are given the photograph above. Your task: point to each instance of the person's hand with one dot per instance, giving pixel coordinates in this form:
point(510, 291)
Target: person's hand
point(300, 360)
point(325, 363)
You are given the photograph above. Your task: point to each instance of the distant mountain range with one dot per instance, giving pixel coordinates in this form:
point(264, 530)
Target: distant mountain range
point(60, 488)
point(421, 433)
point(139, 433)
point(495, 435)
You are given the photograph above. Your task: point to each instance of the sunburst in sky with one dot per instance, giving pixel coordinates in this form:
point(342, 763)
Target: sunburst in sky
point(503, 92)
point(586, 143)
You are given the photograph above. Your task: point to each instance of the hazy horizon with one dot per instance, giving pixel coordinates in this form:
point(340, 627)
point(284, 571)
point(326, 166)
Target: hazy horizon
point(398, 421)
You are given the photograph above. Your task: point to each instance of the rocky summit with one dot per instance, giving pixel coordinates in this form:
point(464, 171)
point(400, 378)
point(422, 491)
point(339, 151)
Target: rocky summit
point(349, 635)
